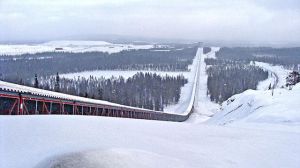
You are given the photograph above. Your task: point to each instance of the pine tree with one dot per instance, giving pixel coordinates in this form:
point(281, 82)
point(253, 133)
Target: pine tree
point(100, 93)
point(56, 86)
point(36, 82)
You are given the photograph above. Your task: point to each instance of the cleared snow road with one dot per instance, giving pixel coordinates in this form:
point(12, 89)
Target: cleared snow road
point(187, 89)
point(203, 107)
point(276, 78)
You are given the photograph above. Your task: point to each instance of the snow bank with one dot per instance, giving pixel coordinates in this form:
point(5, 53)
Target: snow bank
point(261, 107)
point(85, 141)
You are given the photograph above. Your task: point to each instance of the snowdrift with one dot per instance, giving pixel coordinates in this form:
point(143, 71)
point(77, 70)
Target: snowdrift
point(261, 107)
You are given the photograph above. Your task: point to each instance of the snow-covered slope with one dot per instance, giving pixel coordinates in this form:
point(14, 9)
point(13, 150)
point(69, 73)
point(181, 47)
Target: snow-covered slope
point(257, 106)
point(68, 46)
point(43, 141)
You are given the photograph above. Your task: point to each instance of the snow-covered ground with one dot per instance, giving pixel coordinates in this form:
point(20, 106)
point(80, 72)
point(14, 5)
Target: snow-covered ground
point(68, 46)
point(116, 73)
point(277, 75)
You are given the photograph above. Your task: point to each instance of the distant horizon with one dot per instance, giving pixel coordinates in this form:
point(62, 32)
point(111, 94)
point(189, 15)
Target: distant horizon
point(230, 21)
point(131, 39)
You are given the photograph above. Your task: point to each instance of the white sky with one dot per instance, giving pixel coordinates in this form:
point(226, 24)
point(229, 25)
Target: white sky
point(240, 20)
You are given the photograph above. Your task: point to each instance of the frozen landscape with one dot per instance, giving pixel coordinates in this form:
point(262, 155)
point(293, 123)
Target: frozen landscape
point(261, 137)
point(149, 84)
point(251, 129)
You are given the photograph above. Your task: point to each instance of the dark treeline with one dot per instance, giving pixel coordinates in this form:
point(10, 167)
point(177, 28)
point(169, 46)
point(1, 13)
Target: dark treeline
point(288, 57)
point(229, 78)
point(232, 73)
point(22, 68)
point(147, 90)
point(206, 50)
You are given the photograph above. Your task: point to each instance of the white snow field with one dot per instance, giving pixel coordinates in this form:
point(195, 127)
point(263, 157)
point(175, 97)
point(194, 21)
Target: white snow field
point(68, 46)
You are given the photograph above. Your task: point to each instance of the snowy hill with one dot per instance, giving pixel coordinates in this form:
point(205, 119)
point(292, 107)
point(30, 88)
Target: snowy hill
point(261, 107)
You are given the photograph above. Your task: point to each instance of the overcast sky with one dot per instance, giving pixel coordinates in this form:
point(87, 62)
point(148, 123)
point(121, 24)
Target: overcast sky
point(233, 20)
